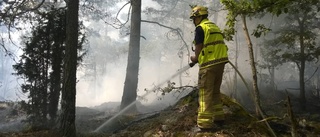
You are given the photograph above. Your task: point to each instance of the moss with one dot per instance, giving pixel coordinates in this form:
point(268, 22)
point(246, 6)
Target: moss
point(190, 99)
point(180, 134)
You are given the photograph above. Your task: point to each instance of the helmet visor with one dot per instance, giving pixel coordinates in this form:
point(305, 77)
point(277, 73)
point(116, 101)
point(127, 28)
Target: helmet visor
point(194, 13)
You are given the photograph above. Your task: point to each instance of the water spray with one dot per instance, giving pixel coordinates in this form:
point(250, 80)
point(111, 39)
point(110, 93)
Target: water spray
point(144, 95)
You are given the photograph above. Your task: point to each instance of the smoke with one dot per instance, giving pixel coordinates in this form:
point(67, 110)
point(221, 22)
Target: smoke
point(159, 60)
point(106, 89)
point(159, 55)
point(9, 84)
point(109, 87)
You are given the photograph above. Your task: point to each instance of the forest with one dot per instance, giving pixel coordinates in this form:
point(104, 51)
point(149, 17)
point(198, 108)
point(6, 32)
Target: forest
point(120, 68)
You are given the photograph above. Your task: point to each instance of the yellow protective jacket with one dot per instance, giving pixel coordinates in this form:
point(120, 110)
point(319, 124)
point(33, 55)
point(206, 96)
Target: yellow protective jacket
point(214, 50)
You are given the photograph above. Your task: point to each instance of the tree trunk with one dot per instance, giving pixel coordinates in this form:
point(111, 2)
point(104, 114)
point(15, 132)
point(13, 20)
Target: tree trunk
point(302, 68)
point(55, 87)
point(44, 92)
point(254, 76)
point(131, 81)
point(272, 80)
point(317, 86)
point(181, 66)
point(235, 81)
point(253, 66)
point(59, 29)
point(302, 86)
point(68, 100)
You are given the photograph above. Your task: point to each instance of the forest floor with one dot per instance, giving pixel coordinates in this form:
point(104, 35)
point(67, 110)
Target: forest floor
point(179, 120)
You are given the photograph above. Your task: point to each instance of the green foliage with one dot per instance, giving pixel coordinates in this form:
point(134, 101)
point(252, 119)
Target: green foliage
point(251, 8)
point(288, 35)
point(40, 52)
point(297, 38)
point(233, 9)
point(272, 57)
point(165, 90)
point(261, 29)
point(299, 34)
point(41, 66)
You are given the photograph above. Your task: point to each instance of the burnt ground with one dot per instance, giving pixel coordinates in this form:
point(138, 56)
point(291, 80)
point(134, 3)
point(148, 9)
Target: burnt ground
point(179, 120)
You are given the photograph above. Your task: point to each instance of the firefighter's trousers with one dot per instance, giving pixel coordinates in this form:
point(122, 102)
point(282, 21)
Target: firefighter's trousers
point(210, 105)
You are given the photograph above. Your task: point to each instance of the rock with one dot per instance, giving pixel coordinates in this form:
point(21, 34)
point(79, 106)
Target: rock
point(3, 105)
point(148, 133)
point(164, 128)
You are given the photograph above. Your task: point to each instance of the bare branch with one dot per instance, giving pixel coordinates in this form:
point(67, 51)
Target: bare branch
point(174, 6)
point(20, 6)
point(312, 75)
point(117, 24)
point(14, 10)
point(121, 10)
point(2, 45)
point(6, 51)
point(173, 29)
point(122, 24)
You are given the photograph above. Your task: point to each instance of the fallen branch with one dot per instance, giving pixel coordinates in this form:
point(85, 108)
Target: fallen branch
point(269, 119)
point(294, 132)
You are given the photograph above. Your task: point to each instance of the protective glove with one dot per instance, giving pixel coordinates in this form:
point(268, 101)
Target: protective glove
point(192, 64)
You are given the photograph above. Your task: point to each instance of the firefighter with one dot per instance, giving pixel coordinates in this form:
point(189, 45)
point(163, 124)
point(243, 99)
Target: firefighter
point(211, 55)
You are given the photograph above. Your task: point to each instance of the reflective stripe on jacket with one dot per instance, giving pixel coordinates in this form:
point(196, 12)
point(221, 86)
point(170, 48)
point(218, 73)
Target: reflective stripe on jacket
point(214, 50)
